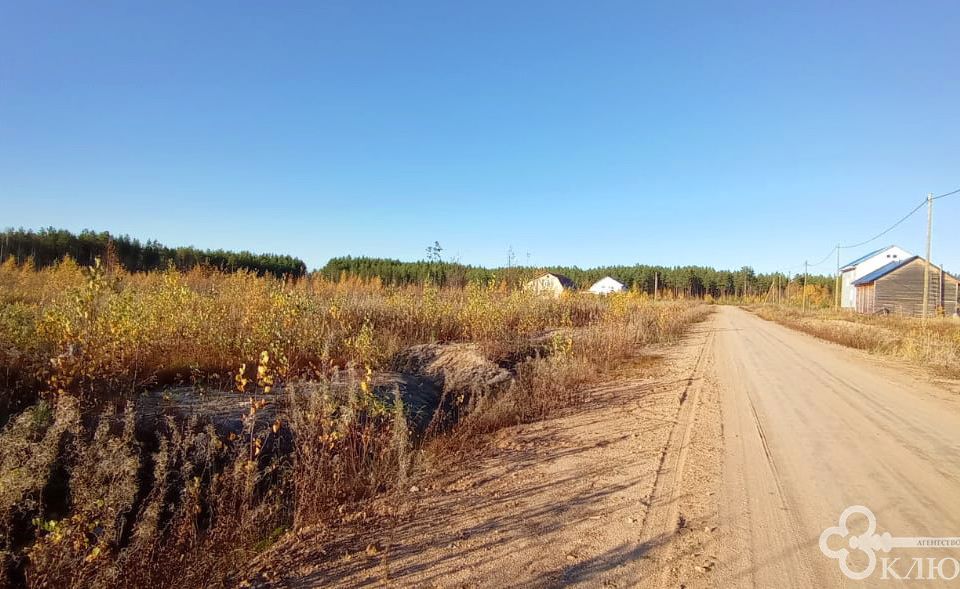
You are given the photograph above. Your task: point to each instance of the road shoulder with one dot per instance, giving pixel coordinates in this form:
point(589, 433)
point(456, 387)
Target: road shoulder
point(620, 491)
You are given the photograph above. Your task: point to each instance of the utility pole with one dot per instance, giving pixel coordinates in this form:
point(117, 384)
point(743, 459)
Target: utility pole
point(836, 294)
point(656, 284)
point(941, 300)
point(804, 286)
point(926, 265)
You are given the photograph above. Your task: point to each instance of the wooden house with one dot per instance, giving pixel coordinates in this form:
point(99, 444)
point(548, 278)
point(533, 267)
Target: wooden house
point(857, 269)
point(898, 288)
point(550, 284)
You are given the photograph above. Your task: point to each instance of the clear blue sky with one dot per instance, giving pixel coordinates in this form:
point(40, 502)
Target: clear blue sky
point(588, 133)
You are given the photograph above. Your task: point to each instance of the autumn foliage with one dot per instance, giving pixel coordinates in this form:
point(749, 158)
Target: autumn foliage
point(92, 492)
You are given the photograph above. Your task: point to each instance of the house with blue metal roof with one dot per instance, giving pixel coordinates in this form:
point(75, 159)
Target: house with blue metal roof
point(857, 269)
point(897, 287)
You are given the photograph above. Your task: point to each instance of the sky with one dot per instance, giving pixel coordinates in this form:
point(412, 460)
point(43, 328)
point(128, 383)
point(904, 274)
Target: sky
point(570, 133)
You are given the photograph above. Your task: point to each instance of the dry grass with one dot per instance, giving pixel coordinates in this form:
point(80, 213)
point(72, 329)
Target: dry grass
point(92, 332)
point(89, 498)
point(934, 343)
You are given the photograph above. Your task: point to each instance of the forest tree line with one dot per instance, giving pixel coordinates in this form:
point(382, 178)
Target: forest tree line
point(695, 281)
point(48, 246)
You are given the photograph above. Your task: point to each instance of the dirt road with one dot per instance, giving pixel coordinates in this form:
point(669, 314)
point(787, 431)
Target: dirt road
point(811, 428)
point(719, 469)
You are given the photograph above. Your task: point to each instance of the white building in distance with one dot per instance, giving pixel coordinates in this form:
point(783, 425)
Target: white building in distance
point(607, 285)
point(864, 265)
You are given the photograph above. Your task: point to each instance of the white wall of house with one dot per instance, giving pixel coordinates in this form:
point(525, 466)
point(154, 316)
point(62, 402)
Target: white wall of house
point(607, 285)
point(848, 293)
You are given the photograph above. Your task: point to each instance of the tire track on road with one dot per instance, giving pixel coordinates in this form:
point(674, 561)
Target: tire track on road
point(663, 517)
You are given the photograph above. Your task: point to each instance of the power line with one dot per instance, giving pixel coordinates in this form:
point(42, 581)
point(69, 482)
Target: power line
point(957, 191)
point(888, 229)
point(895, 225)
point(882, 233)
point(826, 257)
point(879, 235)
point(806, 266)
point(809, 265)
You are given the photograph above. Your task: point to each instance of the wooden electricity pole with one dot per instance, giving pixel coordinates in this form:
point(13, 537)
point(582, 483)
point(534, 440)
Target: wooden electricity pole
point(926, 266)
point(836, 294)
point(656, 284)
point(804, 297)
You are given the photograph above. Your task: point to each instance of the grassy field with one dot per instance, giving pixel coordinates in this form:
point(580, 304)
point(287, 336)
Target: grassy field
point(89, 496)
point(934, 343)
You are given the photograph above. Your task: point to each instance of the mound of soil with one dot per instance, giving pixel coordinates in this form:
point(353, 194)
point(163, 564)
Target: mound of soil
point(420, 396)
point(426, 376)
point(454, 368)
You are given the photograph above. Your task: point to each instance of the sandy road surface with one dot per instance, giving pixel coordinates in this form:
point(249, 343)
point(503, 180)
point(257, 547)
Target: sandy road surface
point(811, 428)
point(720, 469)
